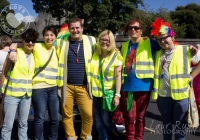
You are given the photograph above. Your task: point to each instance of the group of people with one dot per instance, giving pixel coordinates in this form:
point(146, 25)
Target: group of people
point(55, 73)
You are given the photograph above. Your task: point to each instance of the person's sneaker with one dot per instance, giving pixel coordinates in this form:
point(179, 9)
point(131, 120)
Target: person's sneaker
point(89, 137)
point(121, 129)
point(71, 138)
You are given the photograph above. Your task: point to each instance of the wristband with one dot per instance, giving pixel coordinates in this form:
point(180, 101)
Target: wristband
point(118, 95)
point(13, 51)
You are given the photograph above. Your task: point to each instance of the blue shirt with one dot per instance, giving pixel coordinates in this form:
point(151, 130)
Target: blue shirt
point(131, 82)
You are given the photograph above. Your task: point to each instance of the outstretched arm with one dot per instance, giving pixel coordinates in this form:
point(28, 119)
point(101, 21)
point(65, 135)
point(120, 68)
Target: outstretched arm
point(13, 52)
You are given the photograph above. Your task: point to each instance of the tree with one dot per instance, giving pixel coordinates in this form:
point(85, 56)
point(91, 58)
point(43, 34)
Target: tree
point(3, 4)
point(55, 7)
point(147, 16)
point(188, 17)
point(98, 15)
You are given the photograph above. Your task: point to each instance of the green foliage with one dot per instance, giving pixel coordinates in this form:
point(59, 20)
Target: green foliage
point(189, 18)
point(147, 16)
point(56, 7)
point(98, 15)
point(3, 4)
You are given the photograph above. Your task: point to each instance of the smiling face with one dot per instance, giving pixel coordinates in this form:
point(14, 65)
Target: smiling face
point(104, 42)
point(76, 31)
point(49, 38)
point(28, 45)
point(165, 41)
point(134, 30)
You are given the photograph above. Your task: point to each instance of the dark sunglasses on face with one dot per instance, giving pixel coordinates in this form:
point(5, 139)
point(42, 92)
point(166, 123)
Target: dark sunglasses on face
point(163, 38)
point(27, 41)
point(130, 28)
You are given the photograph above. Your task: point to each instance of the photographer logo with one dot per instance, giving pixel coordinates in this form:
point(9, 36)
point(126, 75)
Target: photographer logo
point(15, 19)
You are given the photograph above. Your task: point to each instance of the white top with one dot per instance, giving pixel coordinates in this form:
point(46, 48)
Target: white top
point(3, 55)
point(164, 89)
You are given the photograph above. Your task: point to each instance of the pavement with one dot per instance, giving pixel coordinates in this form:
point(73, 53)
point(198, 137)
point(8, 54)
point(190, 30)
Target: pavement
point(152, 128)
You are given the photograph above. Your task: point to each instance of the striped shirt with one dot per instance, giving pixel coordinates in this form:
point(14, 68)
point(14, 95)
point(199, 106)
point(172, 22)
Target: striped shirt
point(76, 74)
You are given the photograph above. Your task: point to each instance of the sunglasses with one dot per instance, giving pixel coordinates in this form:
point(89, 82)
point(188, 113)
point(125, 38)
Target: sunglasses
point(28, 40)
point(130, 28)
point(162, 38)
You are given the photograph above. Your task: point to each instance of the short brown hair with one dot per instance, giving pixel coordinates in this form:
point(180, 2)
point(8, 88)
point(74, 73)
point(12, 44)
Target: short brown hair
point(75, 20)
point(5, 40)
point(50, 28)
point(132, 21)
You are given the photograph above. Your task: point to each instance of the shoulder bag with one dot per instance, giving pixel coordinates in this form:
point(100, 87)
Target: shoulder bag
point(45, 65)
point(192, 116)
point(108, 95)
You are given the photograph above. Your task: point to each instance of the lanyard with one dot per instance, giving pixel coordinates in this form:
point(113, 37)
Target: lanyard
point(100, 63)
point(76, 52)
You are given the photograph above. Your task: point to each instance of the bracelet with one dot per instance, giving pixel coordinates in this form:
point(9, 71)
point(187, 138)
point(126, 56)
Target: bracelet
point(118, 95)
point(12, 51)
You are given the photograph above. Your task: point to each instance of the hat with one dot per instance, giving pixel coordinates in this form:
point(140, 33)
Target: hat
point(160, 27)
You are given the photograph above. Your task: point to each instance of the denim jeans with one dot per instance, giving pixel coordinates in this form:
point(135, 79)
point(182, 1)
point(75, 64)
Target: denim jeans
point(10, 107)
point(41, 99)
point(173, 112)
point(102, 119)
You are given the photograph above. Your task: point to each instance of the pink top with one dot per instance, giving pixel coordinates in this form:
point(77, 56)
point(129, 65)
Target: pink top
point(196, 87)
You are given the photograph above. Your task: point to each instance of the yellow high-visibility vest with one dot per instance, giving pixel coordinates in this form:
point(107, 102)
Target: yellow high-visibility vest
point(144, 61)
point(41, 56)
point(20, 77)
point(87, 48)
point(108, 71)
point(179, 73)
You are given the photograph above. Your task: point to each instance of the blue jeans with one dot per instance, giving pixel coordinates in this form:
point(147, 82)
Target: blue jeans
point(10, 107)
point(173, 112)
point(41, 99)
point(102, 119)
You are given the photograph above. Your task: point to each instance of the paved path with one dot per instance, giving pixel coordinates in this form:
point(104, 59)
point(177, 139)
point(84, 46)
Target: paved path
point(153, 122)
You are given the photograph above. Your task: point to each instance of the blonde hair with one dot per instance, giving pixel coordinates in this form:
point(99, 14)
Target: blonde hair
point(112, 45)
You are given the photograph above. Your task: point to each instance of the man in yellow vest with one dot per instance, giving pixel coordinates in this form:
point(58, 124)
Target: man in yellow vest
point(19, 88)
point(138, 75)
point(171, 79)
point(75, 53)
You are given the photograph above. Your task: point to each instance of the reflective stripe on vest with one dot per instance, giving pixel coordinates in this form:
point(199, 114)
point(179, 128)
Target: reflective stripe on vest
point(179, 77)
point(49, 74)
point(144, 60)
point(88, 44)
point(20, 77)
point(109, 64)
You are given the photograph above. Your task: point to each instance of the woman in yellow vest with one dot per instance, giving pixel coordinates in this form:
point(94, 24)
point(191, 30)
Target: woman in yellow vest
point(19, 90)
point(108, 61)
point(138, 78)
point(171, 80)
point(45, 85)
